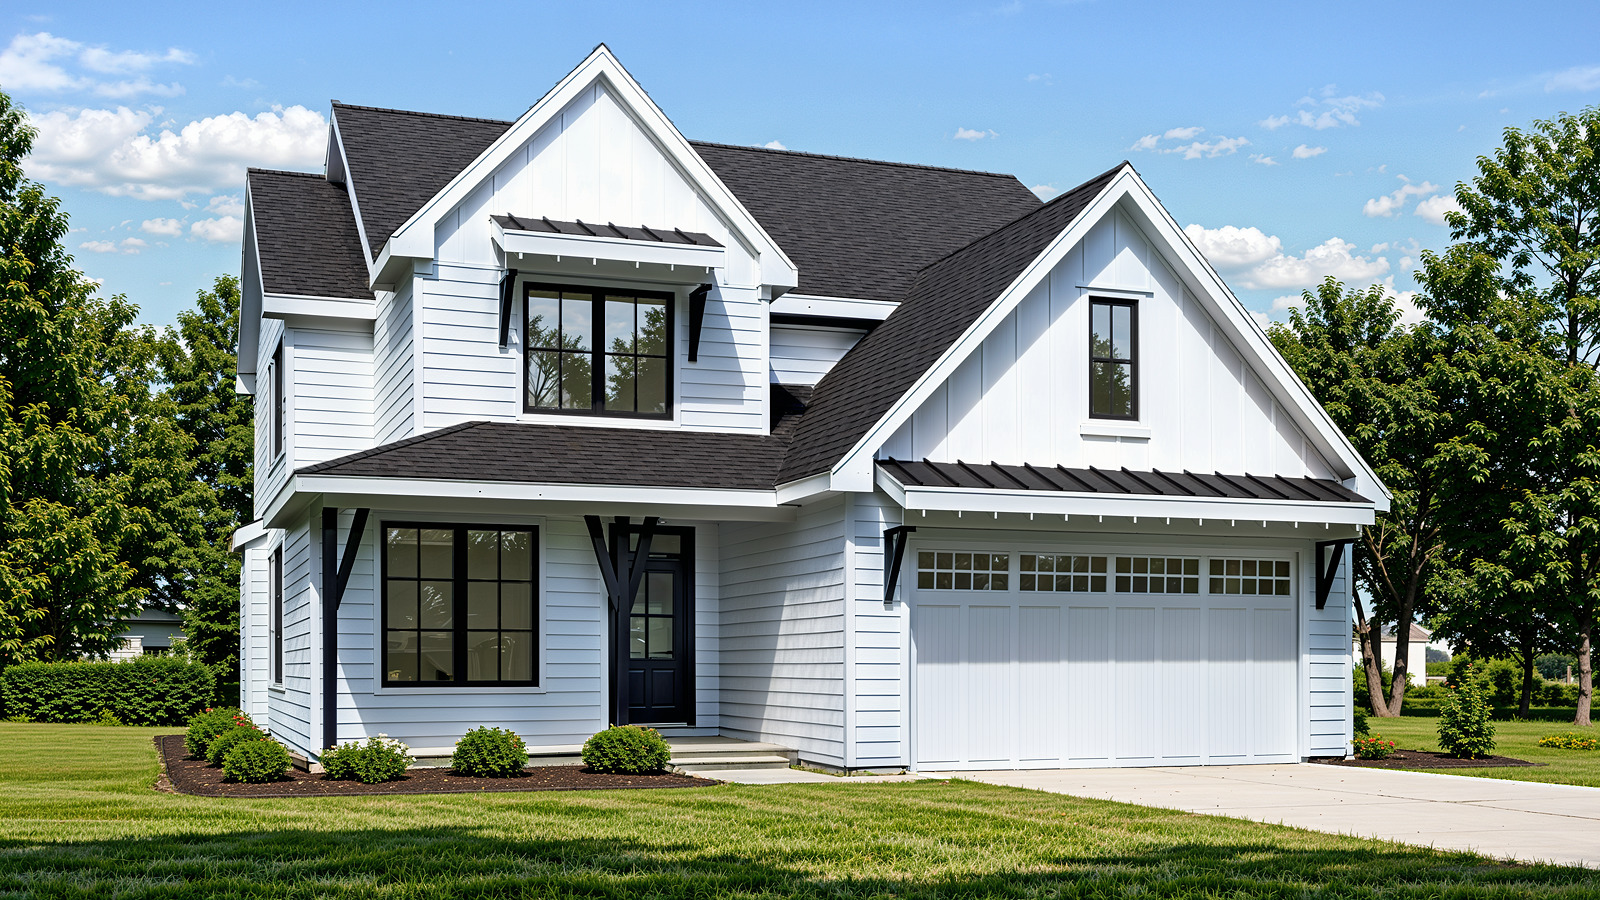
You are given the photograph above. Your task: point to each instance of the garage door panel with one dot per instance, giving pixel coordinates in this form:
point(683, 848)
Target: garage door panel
point(1041, 683)
point(1138, 686)
point(1226, 694)
point(991, 683)
point(1183, 679)
point(1089, 698)
point(941, 682)
point(1273, 681)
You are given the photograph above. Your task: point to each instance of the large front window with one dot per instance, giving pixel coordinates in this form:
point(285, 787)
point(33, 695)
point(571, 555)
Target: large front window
point(597, 351)
point(460, 606)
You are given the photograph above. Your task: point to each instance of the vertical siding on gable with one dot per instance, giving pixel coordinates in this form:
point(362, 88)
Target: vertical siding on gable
point(802, 354)
point(1327, 662)
point(394, 371)
point(1022, 394)
point(876, 681)
point(782, 640)
point(332, 394)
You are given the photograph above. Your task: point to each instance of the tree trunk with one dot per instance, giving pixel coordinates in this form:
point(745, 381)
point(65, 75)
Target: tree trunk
point(1585, 675)
point(1402, 652)
point(1372, 659)
point(1527, 678)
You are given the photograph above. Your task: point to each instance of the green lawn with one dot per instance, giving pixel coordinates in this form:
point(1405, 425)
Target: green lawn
point(78, 819)
point(1519, 740)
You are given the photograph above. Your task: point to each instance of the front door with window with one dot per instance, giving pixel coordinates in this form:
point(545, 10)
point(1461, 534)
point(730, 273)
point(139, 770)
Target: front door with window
point(659, 670)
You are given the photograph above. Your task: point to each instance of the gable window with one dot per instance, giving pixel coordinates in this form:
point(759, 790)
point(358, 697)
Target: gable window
point(459, 606)
point(280, 403)
point(597, 351)
point(277, 616)
point(1113, 359)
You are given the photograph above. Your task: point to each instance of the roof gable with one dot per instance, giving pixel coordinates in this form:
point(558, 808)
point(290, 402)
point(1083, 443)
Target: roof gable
point(862, 229)
point(305, 236)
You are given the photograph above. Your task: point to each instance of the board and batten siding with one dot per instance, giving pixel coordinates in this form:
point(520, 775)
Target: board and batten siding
point(782, 668)
point(1327, 661)
point(467, 376)
point(255, 623)
point(802, 354)
point(877, 652)
point(394, 365)
point(1023, 394)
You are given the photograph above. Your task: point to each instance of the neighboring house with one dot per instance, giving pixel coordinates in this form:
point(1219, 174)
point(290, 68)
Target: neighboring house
point(150, 633)
point(931, 474)
point(1416, 652)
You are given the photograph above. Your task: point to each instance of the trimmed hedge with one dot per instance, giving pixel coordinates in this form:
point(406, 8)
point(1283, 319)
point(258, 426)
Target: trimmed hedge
point(256, 762)
point(1428, 709)
point(148, 690)
point(489, 753)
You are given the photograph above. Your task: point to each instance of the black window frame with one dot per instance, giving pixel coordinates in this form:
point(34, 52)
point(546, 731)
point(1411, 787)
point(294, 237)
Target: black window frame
point(276, 624)
point(458, 617)
point(1132, 360)
point(597, 351)
point(280, 403)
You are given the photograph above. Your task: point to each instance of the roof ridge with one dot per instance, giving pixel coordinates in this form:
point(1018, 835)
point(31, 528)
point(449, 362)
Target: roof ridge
point(261, 171)
point(855, 159)
point(428, 115)
point(1070, 192)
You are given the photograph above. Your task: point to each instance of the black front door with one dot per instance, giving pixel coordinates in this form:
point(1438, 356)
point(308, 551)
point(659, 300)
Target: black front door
point(659, 669)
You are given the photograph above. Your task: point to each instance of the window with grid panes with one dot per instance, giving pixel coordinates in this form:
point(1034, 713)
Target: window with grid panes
point(1066, 574)
point(597, 351)
point(1249, 576)
point(952, 570)
point(1157, 575)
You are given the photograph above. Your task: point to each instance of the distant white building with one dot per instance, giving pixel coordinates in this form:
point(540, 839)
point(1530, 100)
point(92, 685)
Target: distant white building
point(1416, 652)
point(150, 633)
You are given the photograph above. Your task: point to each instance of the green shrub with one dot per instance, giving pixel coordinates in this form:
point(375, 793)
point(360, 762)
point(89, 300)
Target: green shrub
point(1571, 740)
point(627, 750)
point(256, 762)
point(148, 690)
point(1374, 747)
point(1554, 666)
point(107, 717)
point(1465, 729)
point(1360, 726)
point(217, 750)
point(380, 759)
point(489, 753)
point(205, 726)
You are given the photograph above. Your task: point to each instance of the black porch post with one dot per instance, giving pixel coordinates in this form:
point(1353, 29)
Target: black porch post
point(330, 627)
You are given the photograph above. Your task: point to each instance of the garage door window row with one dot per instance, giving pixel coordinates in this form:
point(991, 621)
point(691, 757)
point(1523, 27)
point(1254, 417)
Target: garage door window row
point(950, 570)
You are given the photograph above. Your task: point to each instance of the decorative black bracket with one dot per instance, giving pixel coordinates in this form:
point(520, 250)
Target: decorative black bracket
point(697, 318)
point(1328, 567)
point(622, 582)
point(335, 577)
point(894, 554)
point(508, 283)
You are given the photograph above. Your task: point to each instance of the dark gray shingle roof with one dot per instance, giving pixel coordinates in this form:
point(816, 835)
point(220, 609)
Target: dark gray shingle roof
point(1155, 482)
point(942, 303)
point(862, 228)
point(399, 160)
point(306, 236)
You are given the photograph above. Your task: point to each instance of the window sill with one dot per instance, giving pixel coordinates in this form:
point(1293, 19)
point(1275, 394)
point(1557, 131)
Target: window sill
point(462, 689)
point(1100, 428)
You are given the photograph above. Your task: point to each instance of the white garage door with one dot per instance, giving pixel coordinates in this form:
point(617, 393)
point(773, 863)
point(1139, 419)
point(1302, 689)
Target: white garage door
point(1044, 660)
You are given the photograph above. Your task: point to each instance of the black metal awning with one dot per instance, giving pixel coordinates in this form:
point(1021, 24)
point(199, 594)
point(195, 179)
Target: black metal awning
point(1123, 481)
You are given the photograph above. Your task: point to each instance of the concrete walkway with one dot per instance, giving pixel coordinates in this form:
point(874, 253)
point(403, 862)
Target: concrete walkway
point(1502, 819)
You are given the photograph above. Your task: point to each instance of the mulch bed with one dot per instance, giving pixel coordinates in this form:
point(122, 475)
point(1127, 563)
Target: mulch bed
point(1428, 759)
point(196, 776)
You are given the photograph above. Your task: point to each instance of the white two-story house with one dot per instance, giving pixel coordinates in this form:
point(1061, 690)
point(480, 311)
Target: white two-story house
point(571, 421)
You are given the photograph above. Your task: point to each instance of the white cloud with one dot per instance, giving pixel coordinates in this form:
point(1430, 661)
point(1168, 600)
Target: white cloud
point(1044, 191)
point(220, 230)
point(1577, 78)
point(1391, 204)
point(975, 134)
point(226, 205)
point(39, 63)
point(774, 145)
point(1222, 146)
point(1230, 247)
point(1182, 134)
point(1148, 142)
point(1433, 209)
point(1042, 77)
point(98, 246)
point(126, 245)
point(1263, 159)
point(1326, 110)
point(165, 227)
point(1304, 152)
point(117, 151)
point(133, 244)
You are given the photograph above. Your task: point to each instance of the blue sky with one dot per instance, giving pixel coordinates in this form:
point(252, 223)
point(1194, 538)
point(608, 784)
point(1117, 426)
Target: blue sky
point(1296, 140)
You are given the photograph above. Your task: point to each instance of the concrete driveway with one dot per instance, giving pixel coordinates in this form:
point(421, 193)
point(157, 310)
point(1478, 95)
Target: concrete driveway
point(1501, 819)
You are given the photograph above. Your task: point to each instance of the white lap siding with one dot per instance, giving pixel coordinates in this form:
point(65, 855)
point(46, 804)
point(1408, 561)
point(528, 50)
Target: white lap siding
point(877, 651)
point(394, 366)
point(782, 640)
point(332, 394)
point(293, 717)
point(255, 614)
point(802, 354)
point(1327, 660)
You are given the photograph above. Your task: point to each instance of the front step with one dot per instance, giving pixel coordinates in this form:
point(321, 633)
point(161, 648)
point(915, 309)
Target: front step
point(691, 755)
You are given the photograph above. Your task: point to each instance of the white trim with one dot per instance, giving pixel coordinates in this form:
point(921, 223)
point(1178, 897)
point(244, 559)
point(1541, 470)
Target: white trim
point(1103, 428)
point(792, 304)
point(527, 491)
point(249, 535)
point(415, 238)
point(853, 471)
point(250, 295)
point(299, 311)
point(804, 489)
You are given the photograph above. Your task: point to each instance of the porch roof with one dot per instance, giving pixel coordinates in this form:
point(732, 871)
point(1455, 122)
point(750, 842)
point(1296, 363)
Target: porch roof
point(580, 228)
point(993, 476)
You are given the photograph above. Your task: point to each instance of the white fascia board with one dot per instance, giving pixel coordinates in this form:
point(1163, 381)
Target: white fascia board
point(1133, 505)
point(415, 236)
point(792, 304)
point(337, 313)
point(542, 243)
point(336, 137)
point(251, 292)
point(247, 536)
point(1248, 337)
point(853, 472)
point(803, 490)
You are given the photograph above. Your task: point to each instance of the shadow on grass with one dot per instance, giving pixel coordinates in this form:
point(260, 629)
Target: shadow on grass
point(460, 862)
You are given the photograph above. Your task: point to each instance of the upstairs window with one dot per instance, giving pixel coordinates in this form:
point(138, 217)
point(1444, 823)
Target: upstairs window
point(1113, 359)
point(280, 403)
point(598, 351)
